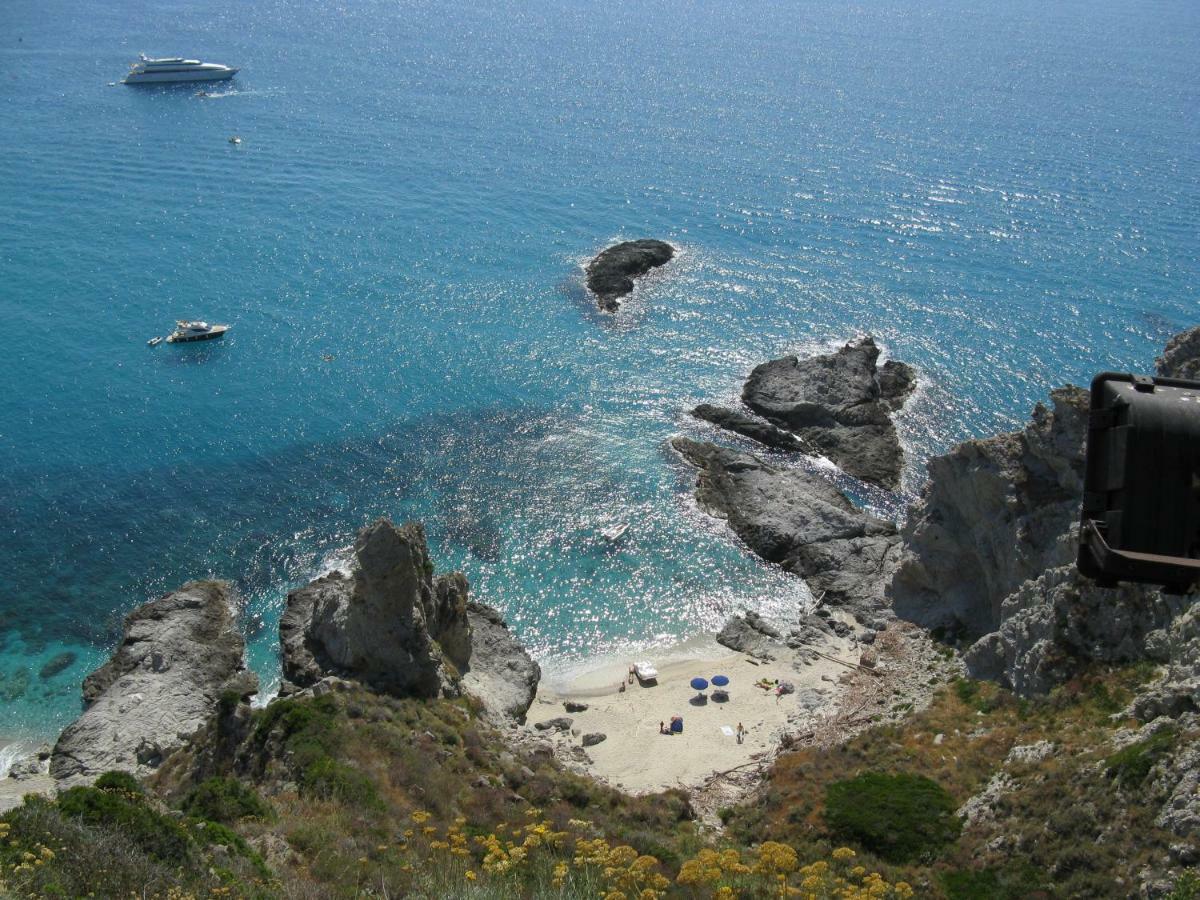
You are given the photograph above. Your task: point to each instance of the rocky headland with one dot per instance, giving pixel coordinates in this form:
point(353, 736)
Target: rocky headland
point(611, 274)
point(180, 655)
point(839, 403)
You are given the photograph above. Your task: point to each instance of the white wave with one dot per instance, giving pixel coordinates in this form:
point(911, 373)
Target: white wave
point(11, 754)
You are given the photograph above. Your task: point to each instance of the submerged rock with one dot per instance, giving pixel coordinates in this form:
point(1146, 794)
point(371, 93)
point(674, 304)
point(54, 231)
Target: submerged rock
point(800, 520)
point(764, 432)
point(389, 623)
point(839, 403)
point(57, 664)
point(611, 274)
point(179, 656)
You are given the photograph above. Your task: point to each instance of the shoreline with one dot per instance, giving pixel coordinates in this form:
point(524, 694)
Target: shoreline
point(631, 757)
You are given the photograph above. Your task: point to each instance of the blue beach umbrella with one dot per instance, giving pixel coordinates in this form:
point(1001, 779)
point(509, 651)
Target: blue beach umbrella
point(699, 684)
point(720, 680)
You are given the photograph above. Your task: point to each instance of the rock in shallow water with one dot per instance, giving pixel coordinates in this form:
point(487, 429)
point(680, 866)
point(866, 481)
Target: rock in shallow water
point(839, 403)
point(179, 655)
point(800, 520)
point(611, 274)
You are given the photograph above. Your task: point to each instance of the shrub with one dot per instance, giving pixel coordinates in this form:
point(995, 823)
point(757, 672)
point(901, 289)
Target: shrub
point(119, 782)
point(899, 817)
point(158, 836)
point(225, 800)
point(1131, 765)
point(990, 884)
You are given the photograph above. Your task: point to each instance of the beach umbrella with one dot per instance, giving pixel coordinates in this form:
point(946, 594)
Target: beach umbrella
point(720, 680)
point(699, 684)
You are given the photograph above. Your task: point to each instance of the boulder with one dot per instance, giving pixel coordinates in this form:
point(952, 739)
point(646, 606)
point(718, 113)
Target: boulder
point(593, 738)
point(800, 520)
point(610, 276)
point(574, 706)
point(500, 674)
point(180, 655)
point(990, 518)
point(748, 426)
point(752, 635)
point(841, 404)
point(388, 623)
point(558, 723)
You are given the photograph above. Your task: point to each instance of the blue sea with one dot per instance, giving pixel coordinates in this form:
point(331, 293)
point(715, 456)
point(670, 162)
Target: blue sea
point(1005, 194)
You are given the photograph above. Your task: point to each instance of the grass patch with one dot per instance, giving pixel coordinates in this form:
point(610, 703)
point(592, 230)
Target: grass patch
point(223, 799)
point(1130, 766)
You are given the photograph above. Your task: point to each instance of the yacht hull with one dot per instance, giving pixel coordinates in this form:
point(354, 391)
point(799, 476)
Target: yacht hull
point(171, 77)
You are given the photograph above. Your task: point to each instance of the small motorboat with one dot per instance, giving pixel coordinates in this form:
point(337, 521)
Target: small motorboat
point(235, 140)
point(645, 673)
point(154, 342)
point(185, 332)
point(614, 532)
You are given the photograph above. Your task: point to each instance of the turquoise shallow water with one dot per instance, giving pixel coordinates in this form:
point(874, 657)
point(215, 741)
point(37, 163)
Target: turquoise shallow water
point(1006, 195)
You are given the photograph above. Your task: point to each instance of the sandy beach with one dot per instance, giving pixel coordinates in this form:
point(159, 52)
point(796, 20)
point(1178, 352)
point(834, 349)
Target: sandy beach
point(636, 757)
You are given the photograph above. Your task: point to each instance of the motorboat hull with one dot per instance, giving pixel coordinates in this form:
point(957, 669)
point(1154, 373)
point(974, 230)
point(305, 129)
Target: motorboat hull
point(217, 332)
point(175, 77)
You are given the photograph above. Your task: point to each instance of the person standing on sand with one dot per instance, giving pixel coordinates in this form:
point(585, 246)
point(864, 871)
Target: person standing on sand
point(741, 733)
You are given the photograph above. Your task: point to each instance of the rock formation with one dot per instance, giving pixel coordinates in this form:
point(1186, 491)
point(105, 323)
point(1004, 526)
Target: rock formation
point(389, 623)
point(748, 426)
point(990, 518)
point(610, 275)
point(1181, 358)
point(1054, 625)
point(179, 656)
point(393, 625)
point(500, 671)
point(839, 403)
point(800, 520)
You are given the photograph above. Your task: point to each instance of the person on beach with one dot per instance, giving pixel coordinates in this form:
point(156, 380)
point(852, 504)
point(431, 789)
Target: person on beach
point(741, 733)
point(662, 728)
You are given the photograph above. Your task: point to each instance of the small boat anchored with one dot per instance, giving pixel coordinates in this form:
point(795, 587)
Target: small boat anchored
point(614, 532)
point(185, 332)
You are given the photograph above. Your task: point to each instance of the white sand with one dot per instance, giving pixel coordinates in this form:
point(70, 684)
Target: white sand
point(638, 759)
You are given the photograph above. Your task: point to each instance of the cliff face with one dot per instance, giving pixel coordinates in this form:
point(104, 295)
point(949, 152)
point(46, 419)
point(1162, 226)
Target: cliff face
point(990, 549)
point(990, 518)
point(179, 655)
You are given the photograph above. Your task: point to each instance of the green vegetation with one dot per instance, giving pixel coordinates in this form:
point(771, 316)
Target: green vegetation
point(225, 800)
point(899, 817)
point(356, 794)
point(1131, 765)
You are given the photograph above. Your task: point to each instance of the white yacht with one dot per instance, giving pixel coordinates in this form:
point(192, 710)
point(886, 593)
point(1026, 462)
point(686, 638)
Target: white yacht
point(195, 331)
point(175, 68)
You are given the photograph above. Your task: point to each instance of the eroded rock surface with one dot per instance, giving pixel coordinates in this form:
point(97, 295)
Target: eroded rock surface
point(501, 673)
point(990, 518)
point(841, 404)
point(748, 426)
point(798, 519)
point(179, 655)
point(389, 623)
point(610, 276)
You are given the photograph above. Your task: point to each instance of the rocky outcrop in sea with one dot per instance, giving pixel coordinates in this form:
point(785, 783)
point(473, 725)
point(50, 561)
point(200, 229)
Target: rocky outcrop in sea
point(180, 655)
point(840, 404)
point(388, 623)
point(391, 624)
point(800, 520)
point(610, 276)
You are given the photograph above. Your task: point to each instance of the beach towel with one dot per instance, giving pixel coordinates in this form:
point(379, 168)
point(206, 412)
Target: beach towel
point(727, 731)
